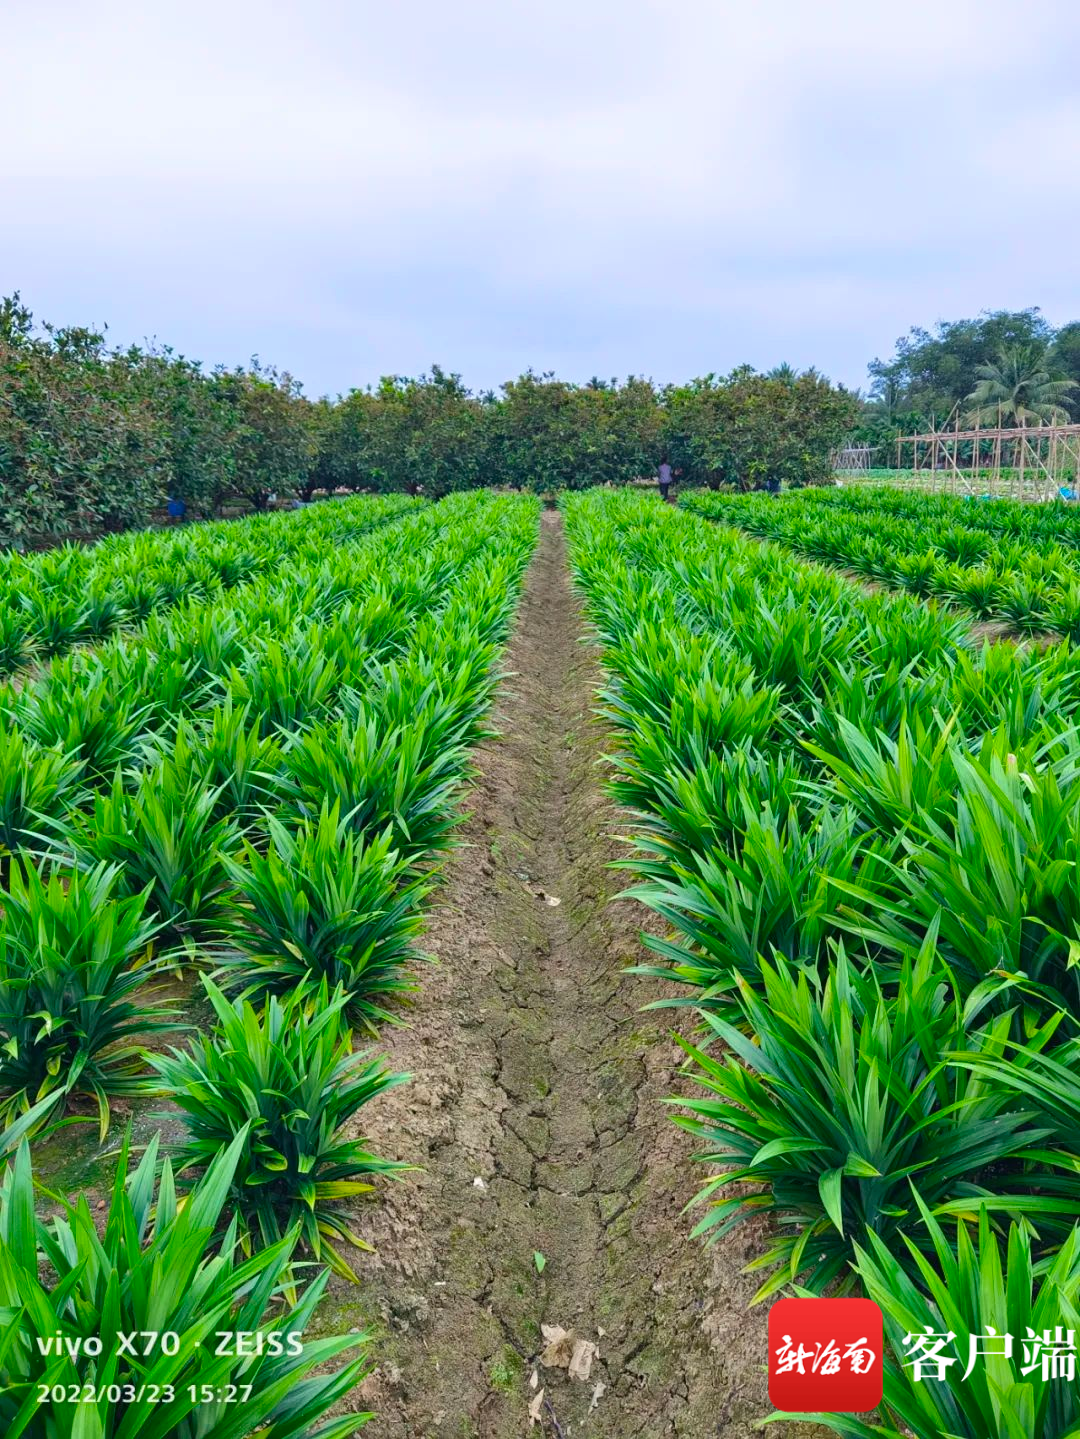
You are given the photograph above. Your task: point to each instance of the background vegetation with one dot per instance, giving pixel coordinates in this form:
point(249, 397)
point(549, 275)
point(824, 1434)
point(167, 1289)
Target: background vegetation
point(94, 438)
point(1011, 362)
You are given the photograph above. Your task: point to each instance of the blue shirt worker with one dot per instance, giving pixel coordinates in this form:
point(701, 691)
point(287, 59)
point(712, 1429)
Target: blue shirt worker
point(664, 475)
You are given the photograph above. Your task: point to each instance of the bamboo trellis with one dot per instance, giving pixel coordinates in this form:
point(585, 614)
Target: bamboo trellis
point(852, 459)
point(1022, 462)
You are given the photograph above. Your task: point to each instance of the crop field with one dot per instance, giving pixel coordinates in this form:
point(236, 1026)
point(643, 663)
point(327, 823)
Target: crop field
point(485, 953)
point(1007, 481)
point(51, 601)
point(249, 785)
point(1004, 561)
point(861, 835)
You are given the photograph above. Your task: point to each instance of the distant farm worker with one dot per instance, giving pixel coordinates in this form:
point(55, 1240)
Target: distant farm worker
point(177, 509)
point(664, 475)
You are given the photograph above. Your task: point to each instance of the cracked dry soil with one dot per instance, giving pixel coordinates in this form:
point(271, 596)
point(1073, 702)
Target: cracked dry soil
point(537, 1074)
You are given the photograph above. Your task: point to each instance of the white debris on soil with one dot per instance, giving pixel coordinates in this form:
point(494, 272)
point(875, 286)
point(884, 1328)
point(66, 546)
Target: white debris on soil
point(581, 1359)
point(566, 1349)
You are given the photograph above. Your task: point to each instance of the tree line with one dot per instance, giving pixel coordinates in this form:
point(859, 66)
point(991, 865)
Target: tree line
point(94, 437)
point(1007, 364)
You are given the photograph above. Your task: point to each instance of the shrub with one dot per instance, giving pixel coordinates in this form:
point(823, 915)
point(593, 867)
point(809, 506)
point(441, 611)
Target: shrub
point(157, 1269)
point(319, 903)
point(287, 1079)
point(73, 957)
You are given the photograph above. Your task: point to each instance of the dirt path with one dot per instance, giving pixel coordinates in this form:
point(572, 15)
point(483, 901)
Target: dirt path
point(535, 1113)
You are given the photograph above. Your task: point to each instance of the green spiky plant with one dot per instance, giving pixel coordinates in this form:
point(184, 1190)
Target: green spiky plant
point(1027, 602)
point(965, 1290)
point(1048, 1082)
point(169, 842)
point(287, 1078)
point(771, 893)
point(322, 902)
point(979, 588)
point(995, 874)
point(1063, 613)
point(37, 787)
point(57, 620)
point(916, 572)
point(843, 1102)
point(159, 1268)
point(85, 708)
point(103, 612)
point(74, 960)
point(284, 685)
point(227, 752)
point(16, 645)
point(379, 777)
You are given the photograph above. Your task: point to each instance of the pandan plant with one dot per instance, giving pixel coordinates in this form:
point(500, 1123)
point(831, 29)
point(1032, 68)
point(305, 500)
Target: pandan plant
point(839, 1104)
point(286, 1077)
point(37, 787)
point(223, 750)
point(171, 1278)
point(88, 710)
point(57, 620)
point(379, 778)
point(323, 902)
point(169, 843)
point(1027, 601)
point(980, 589)
point(74, 961)
point(16, 645)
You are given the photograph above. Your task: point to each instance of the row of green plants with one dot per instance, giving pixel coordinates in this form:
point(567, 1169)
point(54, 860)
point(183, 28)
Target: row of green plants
point(76, 594)
point(863, 835)
point(1038, 526)
point(260, 793)
point(1020, 567)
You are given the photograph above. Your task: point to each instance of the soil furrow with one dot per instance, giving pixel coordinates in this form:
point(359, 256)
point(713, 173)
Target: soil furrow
point(535, 1114)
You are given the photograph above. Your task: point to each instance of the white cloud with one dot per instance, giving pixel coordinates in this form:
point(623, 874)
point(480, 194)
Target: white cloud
point(784, 170)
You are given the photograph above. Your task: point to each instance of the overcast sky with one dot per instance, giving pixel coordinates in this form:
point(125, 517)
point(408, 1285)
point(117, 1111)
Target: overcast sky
point(587, 186)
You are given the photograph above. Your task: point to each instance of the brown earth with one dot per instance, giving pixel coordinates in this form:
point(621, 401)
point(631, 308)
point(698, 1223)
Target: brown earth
point(536, 1115)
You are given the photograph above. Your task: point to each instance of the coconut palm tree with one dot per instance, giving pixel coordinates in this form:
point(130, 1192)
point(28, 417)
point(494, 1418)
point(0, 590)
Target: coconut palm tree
point(1018, 386)
point(784, 372)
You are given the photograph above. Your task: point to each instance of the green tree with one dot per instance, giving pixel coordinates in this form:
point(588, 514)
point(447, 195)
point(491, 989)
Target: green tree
point(272, 441)
point(745, 429)
point(410, 436)
point(81, 448)
point(1064, 360)
point(201, 425)
point(933, 371)
point(1017, 388)
point(546, 434)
